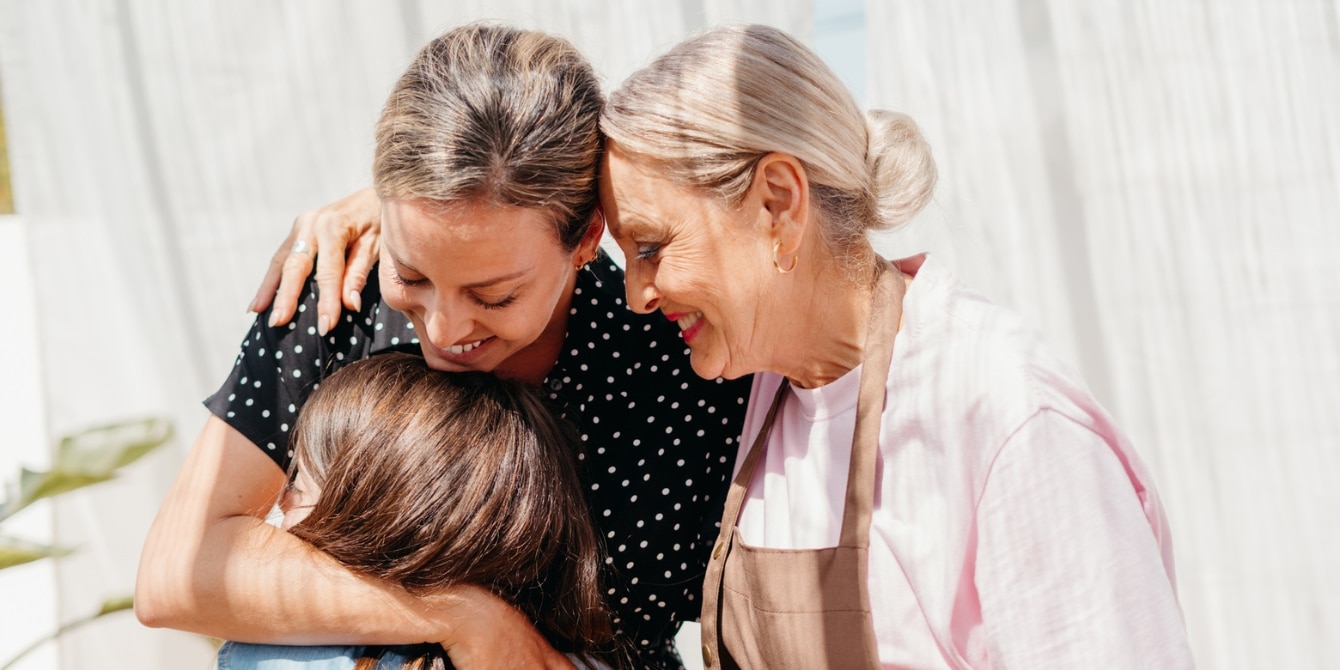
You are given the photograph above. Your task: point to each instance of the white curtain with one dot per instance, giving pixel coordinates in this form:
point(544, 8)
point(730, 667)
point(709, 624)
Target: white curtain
point(159, 151)
point(1155, 183)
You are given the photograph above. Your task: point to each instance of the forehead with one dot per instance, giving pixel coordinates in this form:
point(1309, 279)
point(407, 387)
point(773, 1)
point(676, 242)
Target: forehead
point(416, 225)
point(469, 244)
point(466, 221)
point(636, 195)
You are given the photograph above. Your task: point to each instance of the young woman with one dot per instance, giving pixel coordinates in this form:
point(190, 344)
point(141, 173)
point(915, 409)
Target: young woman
point(425, 480)
point(486, 160)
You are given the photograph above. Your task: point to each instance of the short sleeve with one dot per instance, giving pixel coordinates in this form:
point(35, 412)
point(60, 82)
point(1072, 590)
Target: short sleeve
point(277, 368)
point(1069, 573)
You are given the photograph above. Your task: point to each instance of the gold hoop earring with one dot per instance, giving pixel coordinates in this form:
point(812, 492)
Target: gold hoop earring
point(777, 248)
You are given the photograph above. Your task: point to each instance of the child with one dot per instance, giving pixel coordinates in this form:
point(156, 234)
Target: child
point(429, 479)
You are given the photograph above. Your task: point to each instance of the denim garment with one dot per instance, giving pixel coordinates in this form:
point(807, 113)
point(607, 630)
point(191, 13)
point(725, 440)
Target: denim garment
point(242, 656)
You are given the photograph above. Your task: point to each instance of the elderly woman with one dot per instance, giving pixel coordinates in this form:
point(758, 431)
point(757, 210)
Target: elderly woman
point(921, 482)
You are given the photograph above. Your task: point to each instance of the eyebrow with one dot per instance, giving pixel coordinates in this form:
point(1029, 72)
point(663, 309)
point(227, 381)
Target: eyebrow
point(474, 285)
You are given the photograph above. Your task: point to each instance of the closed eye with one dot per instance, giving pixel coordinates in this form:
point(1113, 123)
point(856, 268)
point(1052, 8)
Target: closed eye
point(648, 250)
point(499, 304)
point(395, 276)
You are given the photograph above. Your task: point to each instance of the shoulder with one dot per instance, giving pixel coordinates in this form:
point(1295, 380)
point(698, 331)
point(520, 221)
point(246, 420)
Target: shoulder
point(975, 356)
point(277, 367)
point(972, 374)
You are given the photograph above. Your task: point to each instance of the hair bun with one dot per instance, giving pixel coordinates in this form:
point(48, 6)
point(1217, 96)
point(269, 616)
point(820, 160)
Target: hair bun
point(902, 170)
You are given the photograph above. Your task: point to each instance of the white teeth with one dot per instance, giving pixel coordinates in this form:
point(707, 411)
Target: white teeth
point(686, 322)
point(462, 348)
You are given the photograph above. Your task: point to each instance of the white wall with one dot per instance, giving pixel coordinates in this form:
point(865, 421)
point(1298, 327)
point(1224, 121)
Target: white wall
point(28, 591)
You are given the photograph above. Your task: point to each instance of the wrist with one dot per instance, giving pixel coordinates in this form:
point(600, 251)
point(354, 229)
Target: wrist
point(455, 609)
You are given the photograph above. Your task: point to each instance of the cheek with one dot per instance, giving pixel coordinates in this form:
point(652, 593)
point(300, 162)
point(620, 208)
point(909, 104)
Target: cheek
point(698, 285)
point(293, 516)
point(525, 319)
point(394, 295)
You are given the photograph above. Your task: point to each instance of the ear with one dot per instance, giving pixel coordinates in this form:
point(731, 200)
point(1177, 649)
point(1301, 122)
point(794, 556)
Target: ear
point(585, 251)
point(783, 192)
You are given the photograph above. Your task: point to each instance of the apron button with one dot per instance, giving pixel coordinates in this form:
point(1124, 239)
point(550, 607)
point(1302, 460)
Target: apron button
point(707, 656)
point(716, 554)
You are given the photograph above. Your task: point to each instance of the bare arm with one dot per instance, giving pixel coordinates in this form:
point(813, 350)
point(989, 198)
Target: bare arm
point(349, 232)
point(211, 565)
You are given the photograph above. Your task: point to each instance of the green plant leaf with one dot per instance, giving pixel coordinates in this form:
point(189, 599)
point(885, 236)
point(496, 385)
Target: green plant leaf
point(89, 457)
point(101, 450)
point(116, 604)
point(17, 552)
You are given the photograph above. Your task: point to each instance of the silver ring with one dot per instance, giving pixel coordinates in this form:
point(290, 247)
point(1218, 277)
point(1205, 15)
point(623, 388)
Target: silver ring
point(301, 247)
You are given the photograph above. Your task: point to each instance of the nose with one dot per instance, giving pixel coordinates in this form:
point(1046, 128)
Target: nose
point(640, 284)
point(446, 324)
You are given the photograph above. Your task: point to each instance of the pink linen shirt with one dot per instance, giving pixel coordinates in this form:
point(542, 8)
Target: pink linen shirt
point(1013, 525)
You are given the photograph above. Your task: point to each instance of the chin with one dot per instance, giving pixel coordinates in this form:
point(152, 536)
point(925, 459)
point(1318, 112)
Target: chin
point(707, 369)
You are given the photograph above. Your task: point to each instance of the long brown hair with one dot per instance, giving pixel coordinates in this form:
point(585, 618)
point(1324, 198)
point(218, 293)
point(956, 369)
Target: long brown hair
point(431, 479)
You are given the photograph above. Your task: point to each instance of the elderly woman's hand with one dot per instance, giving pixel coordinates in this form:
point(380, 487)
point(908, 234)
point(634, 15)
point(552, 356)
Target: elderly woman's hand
point(351, 225)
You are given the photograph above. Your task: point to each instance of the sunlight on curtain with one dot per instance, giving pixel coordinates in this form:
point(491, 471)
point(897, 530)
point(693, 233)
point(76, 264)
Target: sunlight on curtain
point(1156, 184)
point(160, 150)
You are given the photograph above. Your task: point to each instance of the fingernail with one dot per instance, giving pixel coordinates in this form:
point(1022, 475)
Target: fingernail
point(323, 324)
point(356, 300)
point(274, 318)
point(251, 307)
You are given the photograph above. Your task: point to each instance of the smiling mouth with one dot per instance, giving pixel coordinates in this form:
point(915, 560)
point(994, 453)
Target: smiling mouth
point(687, 321)
point(458, 349)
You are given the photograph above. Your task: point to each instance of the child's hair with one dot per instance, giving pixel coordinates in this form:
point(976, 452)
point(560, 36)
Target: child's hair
point(430, 479)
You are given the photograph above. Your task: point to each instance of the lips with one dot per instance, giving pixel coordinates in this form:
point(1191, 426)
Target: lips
point(465, 354)
point(689, 324)
point(463, 348)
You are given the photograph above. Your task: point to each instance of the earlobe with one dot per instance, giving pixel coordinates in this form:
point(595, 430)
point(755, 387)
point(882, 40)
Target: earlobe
point(586, 248)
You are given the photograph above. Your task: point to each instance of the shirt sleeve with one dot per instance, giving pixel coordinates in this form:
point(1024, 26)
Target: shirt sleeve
point(1069, 573)
point(277, 368)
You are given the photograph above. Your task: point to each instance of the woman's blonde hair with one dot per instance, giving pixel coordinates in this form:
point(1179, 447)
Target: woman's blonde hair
point(498, 114)
point(708, 110)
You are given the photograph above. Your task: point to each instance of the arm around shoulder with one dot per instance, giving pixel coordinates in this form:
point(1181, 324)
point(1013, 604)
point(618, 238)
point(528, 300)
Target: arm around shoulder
point(212, 565)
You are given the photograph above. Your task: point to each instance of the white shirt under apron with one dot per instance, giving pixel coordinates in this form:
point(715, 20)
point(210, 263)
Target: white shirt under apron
point(1013, 526)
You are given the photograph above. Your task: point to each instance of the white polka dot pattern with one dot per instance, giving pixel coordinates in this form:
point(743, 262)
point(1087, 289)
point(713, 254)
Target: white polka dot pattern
point(658, 441)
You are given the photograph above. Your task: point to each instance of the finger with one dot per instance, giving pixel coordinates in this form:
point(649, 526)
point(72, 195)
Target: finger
point(270, 283)
point(362, 255)
point(293, 271)
point(266, 291)
point(332, 238)
point(293, 276)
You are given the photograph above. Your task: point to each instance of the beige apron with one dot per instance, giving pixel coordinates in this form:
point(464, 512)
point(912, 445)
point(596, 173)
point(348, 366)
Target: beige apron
point(805, 608)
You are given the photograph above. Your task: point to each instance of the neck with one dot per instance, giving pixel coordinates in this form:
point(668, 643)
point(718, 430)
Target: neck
point(834, 309)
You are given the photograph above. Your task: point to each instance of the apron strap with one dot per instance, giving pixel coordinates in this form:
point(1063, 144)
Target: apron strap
point(885, 311)
point(738, 486)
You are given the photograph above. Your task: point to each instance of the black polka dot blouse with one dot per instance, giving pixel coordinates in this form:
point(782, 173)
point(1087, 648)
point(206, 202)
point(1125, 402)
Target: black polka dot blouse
point(659, 442)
